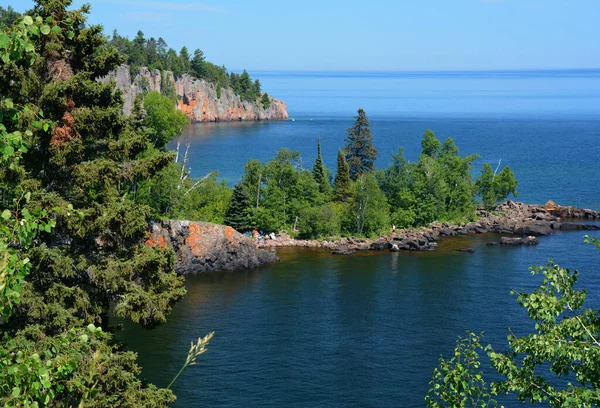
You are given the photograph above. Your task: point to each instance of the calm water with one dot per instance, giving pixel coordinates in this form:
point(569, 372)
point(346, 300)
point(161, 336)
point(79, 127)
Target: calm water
point(367, 330)
point(544, 125)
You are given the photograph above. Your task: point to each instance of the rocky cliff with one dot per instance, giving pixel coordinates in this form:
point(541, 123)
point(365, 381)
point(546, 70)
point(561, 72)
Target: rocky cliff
point(206, 247)
point(196, 98)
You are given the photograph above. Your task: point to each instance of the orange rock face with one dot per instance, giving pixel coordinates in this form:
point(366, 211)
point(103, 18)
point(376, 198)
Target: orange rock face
point(203, 246)
point(196, 98)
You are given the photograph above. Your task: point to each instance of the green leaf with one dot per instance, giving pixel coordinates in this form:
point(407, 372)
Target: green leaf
point(45, 29)
point(29, 47)
point(16, 391)
point(35, 31)
point(45, 127)
point(8, 103)
point(4, 40)
point(48, 20)
point(6, 214)
point(70, 35)
point(28, 20)
point(48, 228)
point(56, 30)
point(83, 338)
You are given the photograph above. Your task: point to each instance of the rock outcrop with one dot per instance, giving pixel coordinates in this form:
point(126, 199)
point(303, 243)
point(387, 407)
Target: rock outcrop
point(196, 98)
point(206, 247)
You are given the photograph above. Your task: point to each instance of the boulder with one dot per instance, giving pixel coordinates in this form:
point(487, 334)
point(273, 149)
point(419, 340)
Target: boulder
point(207, 247)
point(534, 228)
point(379, 245)
point(511, 241)
point(343, 251)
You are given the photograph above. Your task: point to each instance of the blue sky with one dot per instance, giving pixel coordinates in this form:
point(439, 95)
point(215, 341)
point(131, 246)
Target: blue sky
point(366, 35)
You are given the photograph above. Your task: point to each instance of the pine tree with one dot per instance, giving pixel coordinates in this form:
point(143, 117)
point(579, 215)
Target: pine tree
point(184, 56)
point(265, 100)
point(360, 153)
point(343, 185)
point(237, 213)
point(198, 64)
point(320, 173)
point(245, 86)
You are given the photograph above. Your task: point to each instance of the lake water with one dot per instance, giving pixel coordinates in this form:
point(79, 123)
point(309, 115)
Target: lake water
point(367, 330)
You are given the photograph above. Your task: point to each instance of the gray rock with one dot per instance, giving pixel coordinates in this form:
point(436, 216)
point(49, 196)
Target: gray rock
point(196, 98)
point(511, 241)
point(206, 247)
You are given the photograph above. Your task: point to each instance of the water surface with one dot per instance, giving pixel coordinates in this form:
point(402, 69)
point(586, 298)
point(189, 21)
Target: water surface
point(367, 330)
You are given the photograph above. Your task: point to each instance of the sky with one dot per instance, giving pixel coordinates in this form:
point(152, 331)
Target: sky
point(352, 35)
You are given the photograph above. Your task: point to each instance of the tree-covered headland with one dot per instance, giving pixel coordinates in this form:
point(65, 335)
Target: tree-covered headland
point(156, 54)
point(359, 199)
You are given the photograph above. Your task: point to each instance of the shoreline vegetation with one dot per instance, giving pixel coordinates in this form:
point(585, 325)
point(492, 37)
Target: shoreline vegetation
point(511, 218)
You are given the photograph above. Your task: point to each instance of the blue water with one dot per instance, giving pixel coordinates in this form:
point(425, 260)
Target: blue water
point(367, 330)
point(544, 124)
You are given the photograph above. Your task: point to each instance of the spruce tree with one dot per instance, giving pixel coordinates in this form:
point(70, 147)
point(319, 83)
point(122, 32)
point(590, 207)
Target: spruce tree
point(360, 153)
point(237, 213)
point(343, 185)
point(320, 173)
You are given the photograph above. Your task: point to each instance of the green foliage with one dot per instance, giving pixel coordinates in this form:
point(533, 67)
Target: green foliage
point(8, 16)
point(343, 184)
point(78, 367)
point(493, 189)
point(70, 230)
point(458, 382)
point(558, 364)
point(566, 342)
point(368, 211)
point(438, 187)
point(319, 172)
point(198, 64)
point(237, 215)
point(265, 100)
point(320, 221)
point(173, 194)
point(163, 118)
point(359, 150)
point(156, 54)
point(430, 144)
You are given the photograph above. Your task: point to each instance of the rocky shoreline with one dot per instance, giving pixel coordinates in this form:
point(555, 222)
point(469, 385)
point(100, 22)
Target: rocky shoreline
point(511, 218)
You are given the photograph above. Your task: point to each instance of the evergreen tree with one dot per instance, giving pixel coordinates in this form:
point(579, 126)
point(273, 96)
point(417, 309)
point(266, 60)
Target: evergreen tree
point(79, 166)
point(360, 153)
point(319, 172)
point(7, 16)
point(245, 86)
point(198, 64)
point(237, 213)
point(256, 89)
point(184, 56)
point(343, 185)
point(265, 100)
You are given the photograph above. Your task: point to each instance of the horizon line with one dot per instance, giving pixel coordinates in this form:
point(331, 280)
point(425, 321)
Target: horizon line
point(491, 70)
